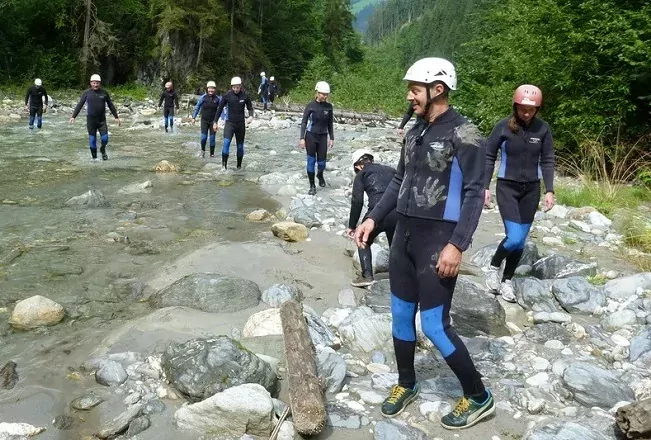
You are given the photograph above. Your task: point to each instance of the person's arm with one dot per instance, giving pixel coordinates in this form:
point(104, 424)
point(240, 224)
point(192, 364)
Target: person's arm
point(407, 117)
point(198, 106)
point(470, 152)
point(162, 97)
point(176, 100)
point(389, 199)
point(46, 98)
point(80, 104)
point(306, 116)
point(548, 161)
point(331, 121)
point(220, 109)
point(111, 107)
point(249, 106)
point(27, 96)
point(492, 147)
point(356, 200)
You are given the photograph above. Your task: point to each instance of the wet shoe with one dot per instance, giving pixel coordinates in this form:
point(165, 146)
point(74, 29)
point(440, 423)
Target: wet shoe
point(468, 412)
point(312, 191)
point(166, 130)
point(104, 156)
point(322, 182)
point(398, 400)
point(201, 154)
point(212, 155)
point(362, 281)
point(493, 278)
point(507, 292)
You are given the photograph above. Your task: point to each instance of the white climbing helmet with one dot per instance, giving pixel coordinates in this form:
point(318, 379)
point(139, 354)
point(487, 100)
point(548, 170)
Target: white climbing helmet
point(262, 74)
point(211, 84)
point(168, 85)
point(428, 70)
point(358, 154)
point(38, 82)
point(96, 77)
point(236, 81)
point(322, 87)
point(271, 78)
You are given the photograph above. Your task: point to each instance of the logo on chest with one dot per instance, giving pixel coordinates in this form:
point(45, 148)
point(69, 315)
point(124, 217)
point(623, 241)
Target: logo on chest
point(534, 140)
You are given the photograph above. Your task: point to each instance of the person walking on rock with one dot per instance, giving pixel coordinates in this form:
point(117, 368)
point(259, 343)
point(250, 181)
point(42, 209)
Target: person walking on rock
point(34, 98)
point(96, 100)
point(263, 90)
point(438, 193)
point(527, 155)
point(236, 99)
point(373, 179)
point(208, 104)
point(317, 124)
point(171, 99)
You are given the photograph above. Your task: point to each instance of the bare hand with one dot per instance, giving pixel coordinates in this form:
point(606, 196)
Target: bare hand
point(363, 231)
point(45, 109)
point(350, 233)
point(487, 198)
point(27, 109)
point(302, 143)
point(215, 126)
point(331, 143)
point(401, 132)
point(449, 262)
point(193, 121)
point(549, 201)
point(248, 121)
point(118, 121)
point(72, 120)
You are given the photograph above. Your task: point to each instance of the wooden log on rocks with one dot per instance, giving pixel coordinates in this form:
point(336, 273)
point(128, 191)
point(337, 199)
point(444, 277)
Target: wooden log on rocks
point(635, 419)
point(305, 389)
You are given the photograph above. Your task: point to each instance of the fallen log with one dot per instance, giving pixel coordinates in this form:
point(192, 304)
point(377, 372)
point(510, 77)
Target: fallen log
point(306, 398)
point(635, 419)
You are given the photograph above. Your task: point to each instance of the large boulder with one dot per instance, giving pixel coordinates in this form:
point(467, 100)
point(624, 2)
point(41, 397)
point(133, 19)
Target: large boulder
point(577, 295)
point(91, 199)
point(264, 323)
point(290, 231)
point(476, 312)
point(200, 368)
point(244, 409)
point(36, 311)
point(534, 294)
point(331, 369)
point(640, 349)
point(379, 256)
point(306, 216)
point(277, 294)
point(560, 266)
point(366, 331)
point(623, 288)
point(209, 292)
point(594, 386)
point(619, 319)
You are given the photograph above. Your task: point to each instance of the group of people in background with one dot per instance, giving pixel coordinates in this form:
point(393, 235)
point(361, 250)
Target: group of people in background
point(429, 207)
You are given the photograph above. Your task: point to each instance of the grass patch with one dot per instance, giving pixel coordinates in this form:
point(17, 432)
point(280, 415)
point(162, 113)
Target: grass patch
point(637, 231)
point(134, 91)
point(597, 280)
point(606, 198)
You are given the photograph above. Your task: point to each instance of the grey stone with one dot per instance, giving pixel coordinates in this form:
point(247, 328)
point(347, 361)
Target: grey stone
point(623, 288)
point(111, 374)
point(138, 425)
point(350, 298)
point(397, 430)
point(379, 258)
point(87, 402)
point(63, 422)
point(305, 216)
point(534, 294)
point(640, 349)
point(331, 369)
point(560, 266)
point(563, 430)
point(277, 294)
point(91, 199)
point(209, 292)
point(544, 332)
point(279, 407)
point(120, 423)
point(619, 319)
point(483, 256)
point(577, 295)
point(440, 388)
point(379, 297)
point(541, 317)
point(364, 330)
point(378, 357)
point(475, 311)
point(339, 417)
point(594, 386)
point(319, 332)
point(154, 406)
point(199, 368)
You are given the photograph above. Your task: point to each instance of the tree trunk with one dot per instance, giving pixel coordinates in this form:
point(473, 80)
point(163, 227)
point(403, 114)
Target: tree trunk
point(305, 388)
point(85, 50)
point(232, 26)
point(635, 419)
point(199, 52)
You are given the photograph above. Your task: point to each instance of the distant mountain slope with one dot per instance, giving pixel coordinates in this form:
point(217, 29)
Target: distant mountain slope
point(363, 9)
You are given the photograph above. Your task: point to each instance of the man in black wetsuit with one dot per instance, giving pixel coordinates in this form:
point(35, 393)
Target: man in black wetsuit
point(171, 99)
point(34, 103)
point(438, 192)
point(96, 100)
point(373, 179)
point(272, 90)
point(237, 100)
point(263, 90)
point(207, 104)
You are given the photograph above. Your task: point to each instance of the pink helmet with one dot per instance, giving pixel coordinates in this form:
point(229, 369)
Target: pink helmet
point(528, 95)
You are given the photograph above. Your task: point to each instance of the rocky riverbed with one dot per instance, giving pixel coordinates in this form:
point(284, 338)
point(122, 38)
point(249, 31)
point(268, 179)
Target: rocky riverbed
point(144, 304)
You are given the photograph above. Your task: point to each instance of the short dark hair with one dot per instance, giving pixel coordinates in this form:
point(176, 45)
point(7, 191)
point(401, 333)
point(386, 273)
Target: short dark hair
point(446, 89)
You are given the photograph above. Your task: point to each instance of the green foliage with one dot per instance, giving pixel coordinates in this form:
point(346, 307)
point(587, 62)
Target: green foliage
point(606, 199)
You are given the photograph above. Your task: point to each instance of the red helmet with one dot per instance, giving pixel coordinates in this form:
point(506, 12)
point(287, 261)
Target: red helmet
point(528, 95)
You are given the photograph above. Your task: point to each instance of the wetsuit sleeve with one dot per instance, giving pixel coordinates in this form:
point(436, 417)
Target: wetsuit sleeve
point(389, 199)
point(407, 117)
point(331, 127)
point(198, 107)
point(162, 97)
point(492, 147)
point(27, 96)
point(249, 106)
point(111, 107)
point(356, 200)
point(306, 116)
point(176, 100)
point(548, 161)
point(46, 98)
point(470, 151)
point(222, 103)
point(80, 104)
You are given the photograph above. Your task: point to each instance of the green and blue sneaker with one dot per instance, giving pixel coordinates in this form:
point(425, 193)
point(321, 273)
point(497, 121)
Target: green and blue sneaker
point(398, 400)
point(468, 412)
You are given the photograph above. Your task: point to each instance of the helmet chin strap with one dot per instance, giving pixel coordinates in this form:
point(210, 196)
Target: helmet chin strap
point(430, 99)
